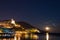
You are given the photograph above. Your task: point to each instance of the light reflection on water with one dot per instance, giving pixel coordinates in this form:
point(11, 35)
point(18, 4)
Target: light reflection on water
point(43, 37)
point(48, 37)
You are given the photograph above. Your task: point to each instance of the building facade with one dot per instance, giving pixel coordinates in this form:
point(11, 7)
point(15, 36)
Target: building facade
point(11, 30)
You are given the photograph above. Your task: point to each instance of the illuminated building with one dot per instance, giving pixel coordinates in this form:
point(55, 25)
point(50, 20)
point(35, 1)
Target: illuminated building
point(11, 30)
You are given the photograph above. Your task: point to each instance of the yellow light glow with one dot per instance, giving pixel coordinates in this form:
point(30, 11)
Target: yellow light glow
point(17, 25)
point(35, 37)
point(1, 31)
point(37, 30)
point(4, 39)
point(18, 38)
point(34, 30)
point(47, 28)
point(26, 35)
point(24, 32)
point(15, 38)
point(47, 36)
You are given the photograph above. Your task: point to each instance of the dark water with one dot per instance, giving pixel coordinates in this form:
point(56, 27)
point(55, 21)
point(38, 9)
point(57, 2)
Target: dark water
point(51, 37)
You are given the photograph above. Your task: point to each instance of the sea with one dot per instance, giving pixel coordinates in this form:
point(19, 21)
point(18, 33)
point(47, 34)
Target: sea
point(49, 37)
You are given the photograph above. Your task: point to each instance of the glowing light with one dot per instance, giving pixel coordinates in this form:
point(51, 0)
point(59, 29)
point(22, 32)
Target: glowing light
point(47, 28)
point(15, 37)
point(34, 30)
point(1, 31)
point(18, 38)
point(12, 21)
point(4, 39)
point(17, 25)
point(35, 37)
point(26, 35)
point(47, 36)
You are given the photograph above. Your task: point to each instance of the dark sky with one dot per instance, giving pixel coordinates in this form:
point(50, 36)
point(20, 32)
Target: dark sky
point(36, 12)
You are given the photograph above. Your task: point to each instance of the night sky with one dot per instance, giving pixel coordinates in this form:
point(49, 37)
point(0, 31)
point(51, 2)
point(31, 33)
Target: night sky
point(39, 13)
